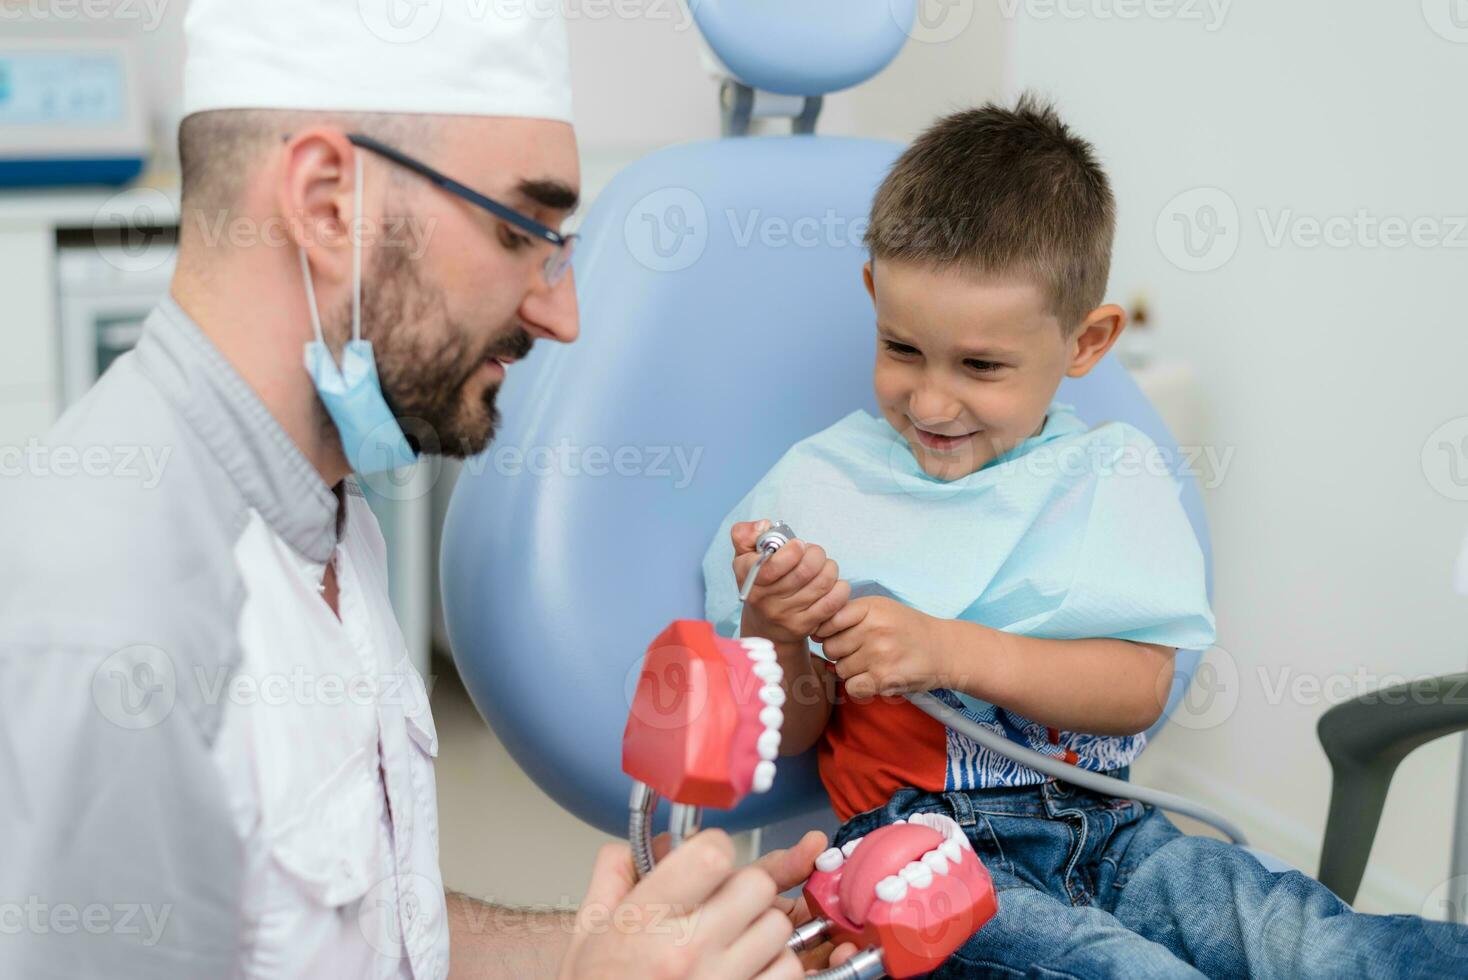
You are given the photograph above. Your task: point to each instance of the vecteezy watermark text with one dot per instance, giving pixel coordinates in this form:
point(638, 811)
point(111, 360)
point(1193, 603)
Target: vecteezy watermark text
point(404, 232)
point(38, 917)
point(1209, 13)
point(38, 459)
point(150, 12)
point(1201, 229)
point(565, 458)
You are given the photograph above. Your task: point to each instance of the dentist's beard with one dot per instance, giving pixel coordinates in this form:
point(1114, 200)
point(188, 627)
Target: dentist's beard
point(426, 361)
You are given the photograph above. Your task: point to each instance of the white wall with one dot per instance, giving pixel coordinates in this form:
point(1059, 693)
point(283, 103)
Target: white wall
point(638, 80)
point(1324, 369)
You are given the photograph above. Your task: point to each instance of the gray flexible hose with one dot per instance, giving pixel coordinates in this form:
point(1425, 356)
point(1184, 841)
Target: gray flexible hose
point(1074, 775)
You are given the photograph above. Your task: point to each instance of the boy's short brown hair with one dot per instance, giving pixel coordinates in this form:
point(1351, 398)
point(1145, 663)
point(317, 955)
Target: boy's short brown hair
point(997, 191)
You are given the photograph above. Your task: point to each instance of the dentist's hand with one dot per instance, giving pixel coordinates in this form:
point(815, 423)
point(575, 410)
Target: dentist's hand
point(695, 916)
point(798, 588)
point(881, 646)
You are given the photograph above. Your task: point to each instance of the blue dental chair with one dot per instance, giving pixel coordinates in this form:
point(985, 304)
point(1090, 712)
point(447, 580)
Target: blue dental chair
point(723, 319)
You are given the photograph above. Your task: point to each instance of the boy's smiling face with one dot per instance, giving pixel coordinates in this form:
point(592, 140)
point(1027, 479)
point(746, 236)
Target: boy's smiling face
point(967, 366)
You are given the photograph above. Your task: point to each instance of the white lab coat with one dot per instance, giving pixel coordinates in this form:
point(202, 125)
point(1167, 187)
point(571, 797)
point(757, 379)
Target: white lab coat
point(198, 761)
point(327, 747)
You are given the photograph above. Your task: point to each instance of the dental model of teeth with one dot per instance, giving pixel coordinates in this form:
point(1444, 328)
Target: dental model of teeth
point(766, 667)
point(704, 729)
point(909, 894)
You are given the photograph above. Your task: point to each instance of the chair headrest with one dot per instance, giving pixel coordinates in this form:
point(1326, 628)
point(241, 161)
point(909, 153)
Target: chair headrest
point(804, 47)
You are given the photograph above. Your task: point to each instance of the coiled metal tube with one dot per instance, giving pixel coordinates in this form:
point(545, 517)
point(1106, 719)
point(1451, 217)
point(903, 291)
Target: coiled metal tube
point(639, 827)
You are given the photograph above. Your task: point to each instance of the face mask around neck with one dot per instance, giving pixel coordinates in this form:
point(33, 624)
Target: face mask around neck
point(370, 435)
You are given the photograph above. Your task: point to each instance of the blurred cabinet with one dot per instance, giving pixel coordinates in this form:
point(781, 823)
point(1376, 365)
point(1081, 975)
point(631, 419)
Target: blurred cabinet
point(79, 273)
point(30, 371)
point(1172, 387)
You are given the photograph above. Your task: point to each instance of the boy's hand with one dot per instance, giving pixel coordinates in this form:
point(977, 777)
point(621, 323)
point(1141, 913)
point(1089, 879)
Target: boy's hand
point(798, 588)
point(881, 646)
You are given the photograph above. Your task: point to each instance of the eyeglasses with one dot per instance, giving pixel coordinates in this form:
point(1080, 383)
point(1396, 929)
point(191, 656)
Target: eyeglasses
point(556, 263)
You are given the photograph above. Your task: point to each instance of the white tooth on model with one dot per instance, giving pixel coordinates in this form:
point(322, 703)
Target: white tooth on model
point(937, 861)
point(768, 672)
point(771, 717)
point(940, 822)
point(946, 826)
point(892, 889)
point(769, 744)
point(750, 642)
point(764, 776)
point(830, 860)
point(761, 655)
point(952, 850)
point(917, 874)
point(850, 846)
point(773, 695)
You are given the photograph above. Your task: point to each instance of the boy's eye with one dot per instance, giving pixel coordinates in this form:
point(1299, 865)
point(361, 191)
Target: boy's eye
point(904, 350)
point(983, 367)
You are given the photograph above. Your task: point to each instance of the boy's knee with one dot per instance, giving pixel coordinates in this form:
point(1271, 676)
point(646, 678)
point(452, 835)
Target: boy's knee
point(1179, 873)
point(1036, 935)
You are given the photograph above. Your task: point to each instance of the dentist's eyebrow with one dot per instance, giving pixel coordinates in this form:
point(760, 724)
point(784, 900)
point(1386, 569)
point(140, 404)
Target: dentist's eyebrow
point(550, 193)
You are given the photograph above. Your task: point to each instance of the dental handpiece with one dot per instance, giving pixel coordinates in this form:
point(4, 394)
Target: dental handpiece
point(777, 537)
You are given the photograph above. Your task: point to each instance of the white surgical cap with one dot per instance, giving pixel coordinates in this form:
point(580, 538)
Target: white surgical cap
point(459, 57)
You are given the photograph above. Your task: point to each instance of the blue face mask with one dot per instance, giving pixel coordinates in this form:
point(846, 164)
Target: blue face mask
point(370, 435)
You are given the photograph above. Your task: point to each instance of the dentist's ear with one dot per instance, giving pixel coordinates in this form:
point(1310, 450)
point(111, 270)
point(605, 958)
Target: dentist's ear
point(1094, 337)
point(314, 191)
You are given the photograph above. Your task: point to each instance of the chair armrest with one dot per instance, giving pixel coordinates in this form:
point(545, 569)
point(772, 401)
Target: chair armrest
point(1365, 739)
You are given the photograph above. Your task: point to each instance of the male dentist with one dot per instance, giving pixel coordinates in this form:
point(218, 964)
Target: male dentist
point(215, 758)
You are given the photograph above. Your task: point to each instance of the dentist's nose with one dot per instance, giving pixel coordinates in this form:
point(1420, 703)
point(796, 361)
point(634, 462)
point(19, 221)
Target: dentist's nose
point(552, 312)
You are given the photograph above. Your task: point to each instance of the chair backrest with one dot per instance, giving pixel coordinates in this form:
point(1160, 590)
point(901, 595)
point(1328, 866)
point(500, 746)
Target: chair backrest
point(804, 47)
point(723, 319)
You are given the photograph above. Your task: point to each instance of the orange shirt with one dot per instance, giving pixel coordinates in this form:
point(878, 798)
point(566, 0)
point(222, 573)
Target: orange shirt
point(871, 749)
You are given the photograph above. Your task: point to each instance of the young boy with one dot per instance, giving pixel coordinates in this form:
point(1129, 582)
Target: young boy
point(1034, 572)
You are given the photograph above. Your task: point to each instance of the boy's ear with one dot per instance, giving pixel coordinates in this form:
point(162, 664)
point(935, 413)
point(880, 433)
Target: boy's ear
point(1094, 337)
point(866, 277)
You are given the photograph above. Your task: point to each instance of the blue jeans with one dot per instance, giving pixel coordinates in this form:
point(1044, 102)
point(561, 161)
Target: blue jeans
point(1095, 886)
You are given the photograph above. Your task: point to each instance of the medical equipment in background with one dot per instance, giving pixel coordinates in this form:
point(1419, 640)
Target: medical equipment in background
point(71, 112)
point(704, 731)
point(108, 286)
